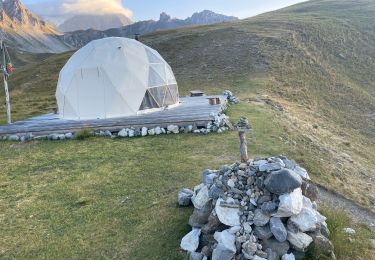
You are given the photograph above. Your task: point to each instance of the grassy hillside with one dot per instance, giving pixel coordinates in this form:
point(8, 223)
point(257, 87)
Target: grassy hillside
point(306, 77)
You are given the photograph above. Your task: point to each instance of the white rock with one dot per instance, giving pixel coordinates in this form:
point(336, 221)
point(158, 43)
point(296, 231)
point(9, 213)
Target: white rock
point(201, 198)
point(131, 133)
point(163, 131)
point(144, 131)
point(231, 183)
point(190, 242)
point(108, 133)
point(288, 257)
point(247, 227)
point(227, 215)
point(68, 136)
point(260, 218)
point(123, 133)
point(173, 129)
point(349, 231)
point(158, 131)
point(196, 256)
point(307, 220)
point(190, 128)
point(290, 204)
point(259, 162)
point(299, 241)
point(248, 249)
point(234, 230)
point(302, 172)
point(226, 248)
point(151, 131)
point(61, 136)
point(253, 201)
point(255, 257)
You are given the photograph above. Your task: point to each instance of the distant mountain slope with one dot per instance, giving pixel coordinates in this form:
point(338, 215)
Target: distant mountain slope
point(81, 38)
point(92, 21)
point(26, 31)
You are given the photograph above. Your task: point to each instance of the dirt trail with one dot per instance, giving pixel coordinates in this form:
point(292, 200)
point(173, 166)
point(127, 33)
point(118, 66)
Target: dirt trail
point(358, 213)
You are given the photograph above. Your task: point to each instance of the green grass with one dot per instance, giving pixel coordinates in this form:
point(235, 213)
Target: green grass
point(115, 198)
point(347, 247)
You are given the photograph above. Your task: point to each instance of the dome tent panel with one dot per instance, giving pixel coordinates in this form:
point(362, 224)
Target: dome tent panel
point(171, 96)
point(116, 105)
point(153, 56)
point(74, 64)
point(169, 75)
point(69, 99)
point(155, 78)
point(111, 77)
point(91, 91)
point(158, 93)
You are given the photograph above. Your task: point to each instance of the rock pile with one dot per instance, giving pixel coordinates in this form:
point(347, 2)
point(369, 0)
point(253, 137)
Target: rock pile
point(232, 99)
point(262, 209)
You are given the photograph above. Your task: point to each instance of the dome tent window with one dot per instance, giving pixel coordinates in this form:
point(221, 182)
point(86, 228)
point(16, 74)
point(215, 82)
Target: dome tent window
point(158, 97)
point(115, 77)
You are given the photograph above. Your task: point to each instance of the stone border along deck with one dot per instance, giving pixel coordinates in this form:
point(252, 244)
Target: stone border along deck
point(193, 115)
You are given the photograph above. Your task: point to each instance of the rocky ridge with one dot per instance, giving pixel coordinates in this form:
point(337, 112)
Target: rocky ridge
point(262, 209)
point(82, 37)
point(25, 31)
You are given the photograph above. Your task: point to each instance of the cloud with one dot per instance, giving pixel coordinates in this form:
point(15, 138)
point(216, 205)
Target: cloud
point(57, 11)
point(95, 7)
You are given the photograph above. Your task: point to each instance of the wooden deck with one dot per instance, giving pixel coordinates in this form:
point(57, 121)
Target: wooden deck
point(192, 111)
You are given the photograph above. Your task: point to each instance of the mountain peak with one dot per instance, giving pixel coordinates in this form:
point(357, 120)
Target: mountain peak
point(15, 11)
point(18, 25)
point(208, 16)
point(164, 17)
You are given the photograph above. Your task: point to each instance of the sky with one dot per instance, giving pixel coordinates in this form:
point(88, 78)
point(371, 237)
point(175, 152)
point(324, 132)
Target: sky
point(58, 10)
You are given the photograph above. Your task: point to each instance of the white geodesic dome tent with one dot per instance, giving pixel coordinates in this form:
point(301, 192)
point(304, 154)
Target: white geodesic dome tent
point(114, 77)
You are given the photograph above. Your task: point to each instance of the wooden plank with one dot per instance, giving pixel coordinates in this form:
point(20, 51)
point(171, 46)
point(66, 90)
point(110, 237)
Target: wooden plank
point(192, 111)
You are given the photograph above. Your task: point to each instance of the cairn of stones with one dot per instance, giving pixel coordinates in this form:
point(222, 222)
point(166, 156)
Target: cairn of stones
point(262, 209)
point(232, 99)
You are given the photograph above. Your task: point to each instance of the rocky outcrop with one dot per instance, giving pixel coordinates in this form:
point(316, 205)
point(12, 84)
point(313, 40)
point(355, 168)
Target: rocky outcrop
point(25, 31)
point(260, 212)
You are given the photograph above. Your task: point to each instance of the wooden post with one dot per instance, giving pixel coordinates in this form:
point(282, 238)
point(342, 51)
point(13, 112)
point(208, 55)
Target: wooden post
point(243, 146)
point(7, 98)
point(243, 127)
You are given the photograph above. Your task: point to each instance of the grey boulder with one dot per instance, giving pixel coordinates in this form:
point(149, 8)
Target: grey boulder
point(263, 232)
point(282, 181)
point(249, 248)
point(299, 241)
point(280, 248)
point(260, 218)
point(200, 216)
point(201, 198)
point(278, 229)
point(184, 197)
